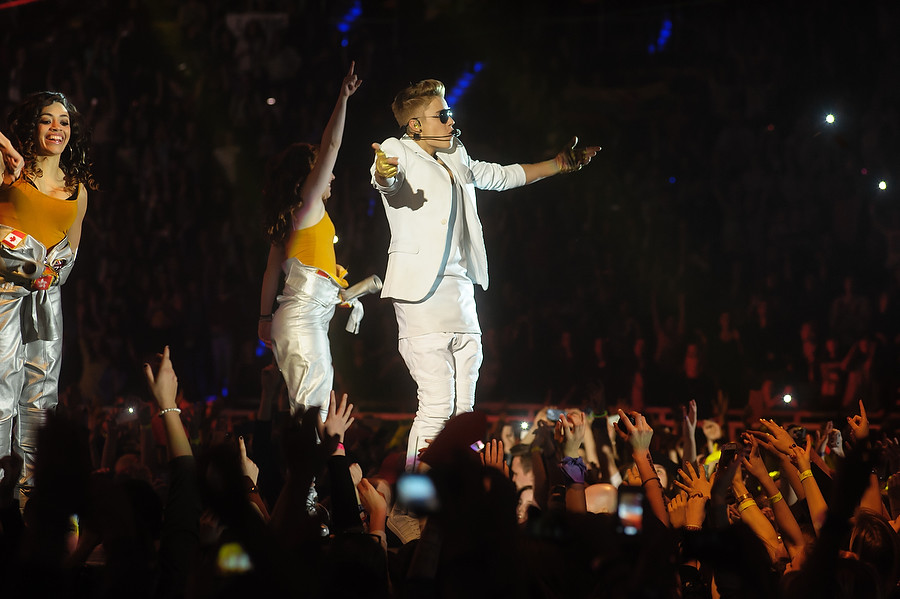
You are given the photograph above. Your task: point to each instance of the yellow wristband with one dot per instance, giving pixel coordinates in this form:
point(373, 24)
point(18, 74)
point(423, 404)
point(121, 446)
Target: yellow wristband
point(746, 504)
point(776, 498)
point(805, 474)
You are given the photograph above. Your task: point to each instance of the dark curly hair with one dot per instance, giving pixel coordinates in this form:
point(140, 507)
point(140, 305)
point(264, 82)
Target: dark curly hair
point(75, 161)
point(285, 175)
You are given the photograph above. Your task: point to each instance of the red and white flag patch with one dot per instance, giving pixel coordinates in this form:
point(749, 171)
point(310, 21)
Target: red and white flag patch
point(13, 239)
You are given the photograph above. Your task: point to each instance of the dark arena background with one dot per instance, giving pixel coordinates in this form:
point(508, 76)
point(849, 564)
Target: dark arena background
point(737, 237)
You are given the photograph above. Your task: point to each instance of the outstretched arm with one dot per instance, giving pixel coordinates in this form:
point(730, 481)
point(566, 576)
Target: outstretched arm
point(319, 178)
point(785, 519)
point(567, 161)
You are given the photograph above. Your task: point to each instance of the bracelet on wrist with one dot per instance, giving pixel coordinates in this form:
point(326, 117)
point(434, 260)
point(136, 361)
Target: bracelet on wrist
point(747, 503)
point(805, 474)
point(167, 410)
point(265, 317)
point(340, 447)
point(776, 498)
point(742, 497)
point(656, 478)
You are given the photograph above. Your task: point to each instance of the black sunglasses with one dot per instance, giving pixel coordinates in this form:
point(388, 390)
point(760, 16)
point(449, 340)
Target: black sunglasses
point(445, 115)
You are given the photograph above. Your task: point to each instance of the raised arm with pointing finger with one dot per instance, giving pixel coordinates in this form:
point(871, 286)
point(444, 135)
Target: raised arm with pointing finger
point(639, 435)
point(297, 188)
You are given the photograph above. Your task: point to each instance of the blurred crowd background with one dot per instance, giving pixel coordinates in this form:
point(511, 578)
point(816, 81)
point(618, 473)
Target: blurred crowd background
point(727, 243)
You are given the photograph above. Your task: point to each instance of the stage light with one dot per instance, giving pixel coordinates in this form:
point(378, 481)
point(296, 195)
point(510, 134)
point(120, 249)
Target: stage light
point(344, 24)
point(524, 426)
point(463, 83)
point(882, 185)
point(270, 101)
point(335, 240)
point(829, 118)
point(787, 398)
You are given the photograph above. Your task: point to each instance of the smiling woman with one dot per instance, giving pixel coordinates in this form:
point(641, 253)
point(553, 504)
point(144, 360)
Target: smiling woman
point(43, 200)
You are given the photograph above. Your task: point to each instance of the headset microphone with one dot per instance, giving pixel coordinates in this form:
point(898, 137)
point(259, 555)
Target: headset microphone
point(449, 136)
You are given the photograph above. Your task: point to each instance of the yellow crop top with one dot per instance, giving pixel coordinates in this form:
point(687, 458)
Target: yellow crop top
point(44, 217)
point(314, 246)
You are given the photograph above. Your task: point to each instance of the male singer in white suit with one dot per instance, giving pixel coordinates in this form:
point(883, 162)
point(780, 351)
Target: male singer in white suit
point(427, 183)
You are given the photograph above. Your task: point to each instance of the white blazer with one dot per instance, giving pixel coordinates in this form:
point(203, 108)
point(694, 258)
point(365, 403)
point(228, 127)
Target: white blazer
point(417, 202)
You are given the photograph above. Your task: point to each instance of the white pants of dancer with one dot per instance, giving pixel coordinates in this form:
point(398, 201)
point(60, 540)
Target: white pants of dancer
point(300, 337)
point(445, 369)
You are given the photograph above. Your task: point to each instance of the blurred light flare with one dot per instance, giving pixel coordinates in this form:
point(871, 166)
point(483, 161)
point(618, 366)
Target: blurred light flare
point(14, 3)
point(463, 83)
point(882, 185)
point(829, 118)
point(665, 32)
point(347, 20)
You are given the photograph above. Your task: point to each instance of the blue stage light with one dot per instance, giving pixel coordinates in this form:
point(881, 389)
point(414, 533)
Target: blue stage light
point(464, 81)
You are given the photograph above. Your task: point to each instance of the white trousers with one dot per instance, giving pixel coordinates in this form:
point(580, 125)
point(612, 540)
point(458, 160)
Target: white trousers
point(445, 369)
point(300, 337)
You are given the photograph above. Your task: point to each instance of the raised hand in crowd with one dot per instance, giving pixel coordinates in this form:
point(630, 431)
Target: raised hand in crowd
point(251, 475)
point(569, 432)
point(787, 523)
point(163, 385)
point(775, 435)
point(695, 481)
point(639, 435)
point(492, 455)
point(248, 467)
point(800, 457)
point(778, 442)
point(859, 424)
point(375, 506)
point(677, 507)
point(339, 419)
point(821, 437)
point(689, 431)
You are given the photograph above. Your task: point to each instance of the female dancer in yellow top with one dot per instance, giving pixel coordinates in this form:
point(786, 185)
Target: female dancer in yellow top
point(43, 201)
point(297, 187)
